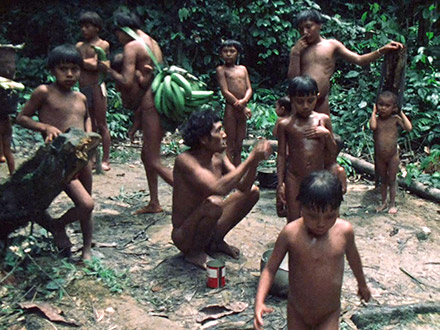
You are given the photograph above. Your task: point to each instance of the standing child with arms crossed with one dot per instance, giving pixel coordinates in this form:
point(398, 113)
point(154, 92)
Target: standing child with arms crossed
point(384, 121)
point(305, 140)
point(236, 87)
point(283, 111)
point(316, 245)
point(89, 82)
point(58, 108)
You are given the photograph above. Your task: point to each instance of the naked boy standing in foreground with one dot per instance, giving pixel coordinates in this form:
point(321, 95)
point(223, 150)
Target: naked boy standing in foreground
point(203, 176)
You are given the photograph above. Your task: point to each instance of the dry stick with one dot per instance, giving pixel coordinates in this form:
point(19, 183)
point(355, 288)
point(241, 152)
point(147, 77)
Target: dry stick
point(417, 280)
point(45, 273)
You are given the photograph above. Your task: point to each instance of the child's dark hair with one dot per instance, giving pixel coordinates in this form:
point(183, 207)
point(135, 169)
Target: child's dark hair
point(302, 86)
point(66, 53)
point(130, 20)
point(309, 15)
point(284, 102)
point(92, 18)
point(116, 62)
point(232, 43)
point(198, 125)
point(388, 94)
point(319, 190)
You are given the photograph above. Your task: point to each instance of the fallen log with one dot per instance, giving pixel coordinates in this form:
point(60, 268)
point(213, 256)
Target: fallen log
point(414, 187)
point(27, 194)
point(377, 315)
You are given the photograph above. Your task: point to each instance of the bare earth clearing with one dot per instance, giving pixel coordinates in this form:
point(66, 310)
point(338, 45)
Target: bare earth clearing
point(402, 266)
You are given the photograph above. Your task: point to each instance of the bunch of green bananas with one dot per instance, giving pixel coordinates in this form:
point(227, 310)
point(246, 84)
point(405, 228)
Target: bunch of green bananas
point(177, 93)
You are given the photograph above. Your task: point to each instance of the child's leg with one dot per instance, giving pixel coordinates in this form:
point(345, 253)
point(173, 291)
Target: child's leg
point(292, 183)
point(5, 144)
point(331, 322)
point(98, 114)
point(2, 129)
point(381, 167)
point(79, 191)
point(230, 125)
point(294, 319)
point(239, 137)
point(393, 168)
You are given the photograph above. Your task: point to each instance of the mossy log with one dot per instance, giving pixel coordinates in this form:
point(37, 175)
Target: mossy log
point(369, 316)
point(31, 189)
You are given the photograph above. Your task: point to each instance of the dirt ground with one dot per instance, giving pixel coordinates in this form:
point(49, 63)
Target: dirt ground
point(401, 261)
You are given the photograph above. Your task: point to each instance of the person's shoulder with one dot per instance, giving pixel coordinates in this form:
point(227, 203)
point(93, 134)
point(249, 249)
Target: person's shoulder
point(220, 68)
point(104, 44)
point(79, 44)
point(43, 89)
point(343, 226)
point(321, 115)
point(79, 95)
point(185, 159)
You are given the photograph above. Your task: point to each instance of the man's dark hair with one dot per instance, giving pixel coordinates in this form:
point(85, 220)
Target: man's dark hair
point(302, 86)
point(130, 20)
point(66, 53)
point(198, 125)
point(232, 43)
point(308, 15)
point(284, 102)
point(319, 190)
point(92, 18)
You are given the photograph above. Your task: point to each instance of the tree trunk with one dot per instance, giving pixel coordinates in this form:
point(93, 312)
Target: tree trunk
point(32, 188)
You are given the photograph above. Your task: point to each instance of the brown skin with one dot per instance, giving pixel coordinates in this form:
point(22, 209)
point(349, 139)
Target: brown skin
point(201, 215)
point(317, 244)
point(385, 122)
point(315, 56)
point(236, 87)
point(136, 61)
point(90, 77)
point(5, 144)
point(303, 140)
point(58, 108)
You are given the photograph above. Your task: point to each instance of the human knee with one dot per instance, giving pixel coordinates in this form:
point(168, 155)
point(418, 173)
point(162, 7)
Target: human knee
point(255, 193)
point(213, 206)
point(87, 205)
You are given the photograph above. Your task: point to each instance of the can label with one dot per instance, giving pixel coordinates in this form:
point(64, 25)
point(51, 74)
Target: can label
point(216, 274)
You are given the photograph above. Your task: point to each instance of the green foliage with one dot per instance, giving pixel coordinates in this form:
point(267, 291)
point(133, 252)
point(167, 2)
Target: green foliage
point(116, 282)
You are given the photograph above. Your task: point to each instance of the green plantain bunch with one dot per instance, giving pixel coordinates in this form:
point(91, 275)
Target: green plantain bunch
point(177, 93)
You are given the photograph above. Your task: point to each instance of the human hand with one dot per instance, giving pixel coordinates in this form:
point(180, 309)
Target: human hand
point(316, 131)
point(262, 150)
point(364, 292)
point(258, 316)
point(374, 113)
point(240, 104)
point(104, 66)
point(51, 132)
point(299, 46)
point(281, 194)
point(393, 45)
point(248, 113)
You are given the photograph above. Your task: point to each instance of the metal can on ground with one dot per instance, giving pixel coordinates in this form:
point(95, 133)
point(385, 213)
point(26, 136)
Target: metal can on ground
point(216, 274)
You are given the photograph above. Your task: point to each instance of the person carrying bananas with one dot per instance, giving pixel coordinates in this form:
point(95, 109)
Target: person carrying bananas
point(90, 81)
point(210, 195)
point(139, 98)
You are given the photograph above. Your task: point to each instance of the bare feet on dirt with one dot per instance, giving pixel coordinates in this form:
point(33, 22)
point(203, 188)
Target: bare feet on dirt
point(392, 210)
point(62, 241)
point(225, 248)
point(381, 207)
point(105, 166)
point(199, 259)
point(150, 208)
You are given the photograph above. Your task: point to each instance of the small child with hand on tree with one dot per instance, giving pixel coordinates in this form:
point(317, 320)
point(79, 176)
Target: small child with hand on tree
point(385, 120)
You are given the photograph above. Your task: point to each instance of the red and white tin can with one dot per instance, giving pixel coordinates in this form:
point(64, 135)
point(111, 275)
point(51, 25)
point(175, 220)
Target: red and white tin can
point(216, 273)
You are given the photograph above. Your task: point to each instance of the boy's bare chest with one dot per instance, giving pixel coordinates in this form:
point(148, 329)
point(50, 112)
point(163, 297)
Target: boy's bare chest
point(235, 73)
point(322, 55)
point(63, 107)
point(321, 250)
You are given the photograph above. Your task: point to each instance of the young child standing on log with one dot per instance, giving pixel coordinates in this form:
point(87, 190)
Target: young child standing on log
point(316, 245)
point(59, 107)
point(304, 142)
point(236, 87)
point(385, 120)
point(89, 81)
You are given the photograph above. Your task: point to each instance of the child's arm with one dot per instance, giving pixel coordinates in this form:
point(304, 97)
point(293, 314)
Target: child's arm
point(267, 277)
point(323, 129)
point(24, 118)
point(373, 119)
point(365, 59)
point(295, 58)
point(354, 260)
point(247, 96)
point(137, 123)
point(404, 121)
point(221, 79)
point(281, 161)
